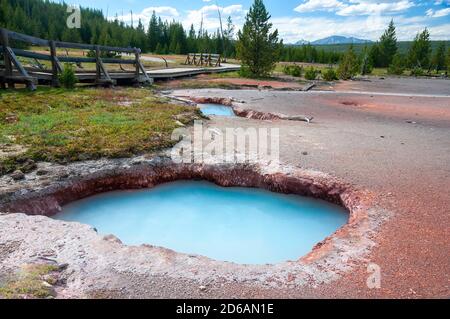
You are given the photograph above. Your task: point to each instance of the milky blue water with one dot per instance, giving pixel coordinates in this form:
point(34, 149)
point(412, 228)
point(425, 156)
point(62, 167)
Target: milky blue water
point(216, 109)
point(242, 225)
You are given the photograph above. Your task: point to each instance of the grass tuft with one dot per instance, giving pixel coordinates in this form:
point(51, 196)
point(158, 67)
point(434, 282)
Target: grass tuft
point(34, 281)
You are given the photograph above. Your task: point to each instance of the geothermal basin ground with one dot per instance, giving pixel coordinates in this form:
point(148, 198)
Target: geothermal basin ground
point(381, 148)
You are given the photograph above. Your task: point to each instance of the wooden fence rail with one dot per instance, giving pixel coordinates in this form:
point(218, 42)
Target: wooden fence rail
point(12, 71)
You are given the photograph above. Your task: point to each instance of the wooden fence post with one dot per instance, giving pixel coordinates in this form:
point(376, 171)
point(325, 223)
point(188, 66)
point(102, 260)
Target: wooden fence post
point(137, 61)
point(6, 59)
point(98, 71)
point(55, 80)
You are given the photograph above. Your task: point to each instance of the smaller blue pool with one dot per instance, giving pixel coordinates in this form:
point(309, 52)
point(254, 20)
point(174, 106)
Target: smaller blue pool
point(216, 109)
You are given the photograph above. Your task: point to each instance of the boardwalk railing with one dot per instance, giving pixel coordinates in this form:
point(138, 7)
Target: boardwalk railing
point(204, 59)
point(31, 76)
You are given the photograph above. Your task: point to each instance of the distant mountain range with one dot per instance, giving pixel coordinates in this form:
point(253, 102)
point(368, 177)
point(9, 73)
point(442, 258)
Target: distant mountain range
point(301, 42)
point(335, 39)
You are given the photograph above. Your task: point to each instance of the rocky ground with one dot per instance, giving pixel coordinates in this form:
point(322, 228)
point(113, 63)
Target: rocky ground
point(392, 145)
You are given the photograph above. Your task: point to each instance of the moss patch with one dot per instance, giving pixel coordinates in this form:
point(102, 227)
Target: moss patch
point(60, 125)
point(34, 281)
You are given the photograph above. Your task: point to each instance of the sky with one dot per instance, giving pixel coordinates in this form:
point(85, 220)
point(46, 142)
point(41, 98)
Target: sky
point(297, 19)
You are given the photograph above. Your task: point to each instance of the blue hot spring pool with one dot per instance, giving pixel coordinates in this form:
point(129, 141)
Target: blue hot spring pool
point(242, 225)
point(216, 109)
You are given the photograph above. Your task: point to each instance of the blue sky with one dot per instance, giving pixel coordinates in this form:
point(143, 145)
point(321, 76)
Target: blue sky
point(299, 19)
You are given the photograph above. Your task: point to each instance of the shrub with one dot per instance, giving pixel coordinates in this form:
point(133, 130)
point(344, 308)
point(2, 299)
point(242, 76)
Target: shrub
point(366, 66)
point(245, 72)
point(448, 59)
point(68, 78)
point(297, 71)
point(294, 70)
point(417, 71)
point(311, 74)
point(104, 54)
point(329, 75)
point(397, 66)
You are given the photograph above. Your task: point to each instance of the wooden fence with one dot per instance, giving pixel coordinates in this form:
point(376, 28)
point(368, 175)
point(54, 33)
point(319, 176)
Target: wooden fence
point(204, 59)
point(12, 71)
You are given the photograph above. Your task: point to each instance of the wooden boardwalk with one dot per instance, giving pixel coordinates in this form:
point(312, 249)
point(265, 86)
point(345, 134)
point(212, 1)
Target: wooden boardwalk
point(183, 72)
point(129, 77)
point(12, 71)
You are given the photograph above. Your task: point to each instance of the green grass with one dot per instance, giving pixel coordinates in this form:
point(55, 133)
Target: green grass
point(232, 74)
point(60, 125)
point(33, 281)
point(379, 71)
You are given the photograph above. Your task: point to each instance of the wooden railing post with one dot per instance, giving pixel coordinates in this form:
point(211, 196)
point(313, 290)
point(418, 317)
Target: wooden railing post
point(137, 61)
point(98, 71)
point(55, 68)
point(6, 59)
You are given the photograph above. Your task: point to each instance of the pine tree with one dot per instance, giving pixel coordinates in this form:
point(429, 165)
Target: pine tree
point(153, 33)
point(375, 55)
point(228, 34)
point(257, 47)
point(159, 49)
point(448, 59)
point(365, 61)
point(439, 62)
point(71, 35)
point(104, 37)
point(191, 40)
point(420, 51)
point(178, 49)
point(19, 19)
point(388, 45)
point(397, 67)
point(348, 66)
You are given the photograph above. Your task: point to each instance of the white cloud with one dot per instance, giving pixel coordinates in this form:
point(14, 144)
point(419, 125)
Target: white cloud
point(165, 12)
point(368, 7)
point(438, 13)
point(319, 5)
point(210, 16)
point(355, 7)
point(440, 32)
